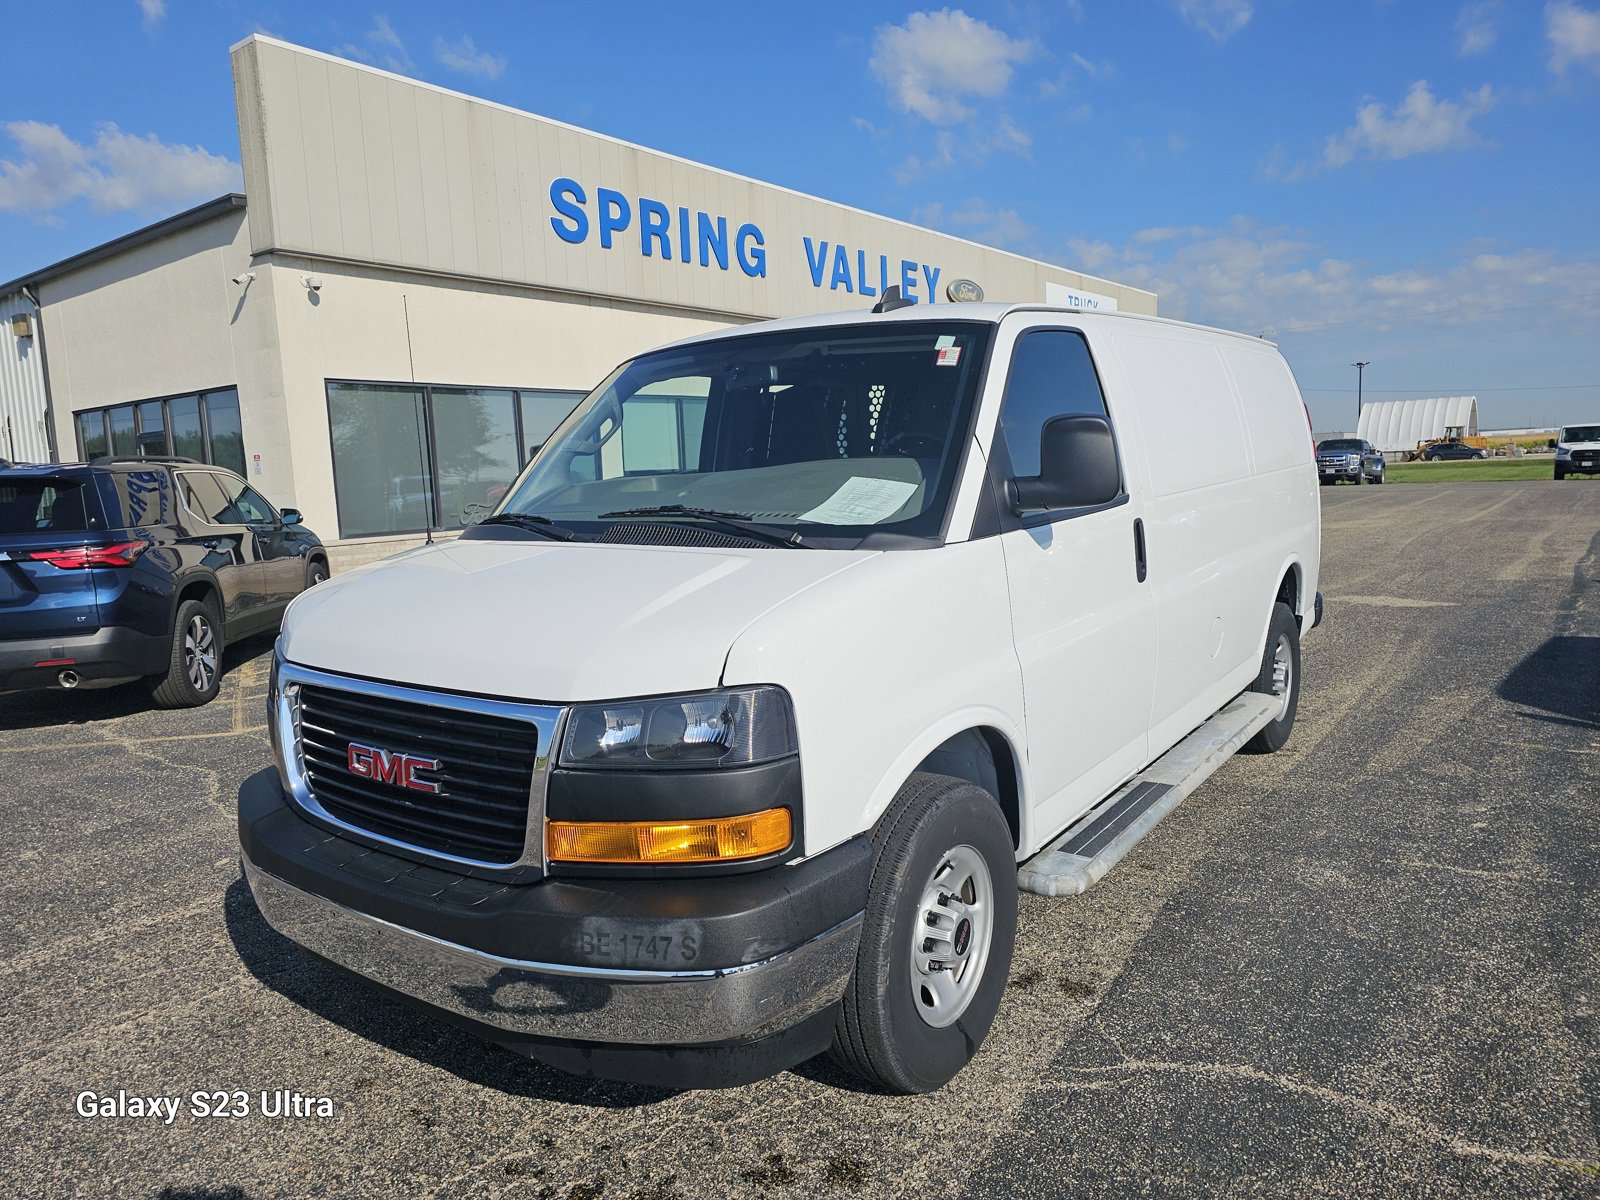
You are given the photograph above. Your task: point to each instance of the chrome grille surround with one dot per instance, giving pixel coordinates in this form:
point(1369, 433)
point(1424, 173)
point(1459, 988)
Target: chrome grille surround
point(543, 723)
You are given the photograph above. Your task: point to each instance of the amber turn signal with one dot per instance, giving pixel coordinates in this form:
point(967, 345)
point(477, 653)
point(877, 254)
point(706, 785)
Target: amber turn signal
point(719, 839)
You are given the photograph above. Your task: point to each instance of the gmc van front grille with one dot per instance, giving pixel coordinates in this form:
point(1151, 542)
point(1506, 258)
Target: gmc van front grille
point(451, 776)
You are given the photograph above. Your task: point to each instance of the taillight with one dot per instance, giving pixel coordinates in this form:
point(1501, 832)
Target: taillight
point(75, 558)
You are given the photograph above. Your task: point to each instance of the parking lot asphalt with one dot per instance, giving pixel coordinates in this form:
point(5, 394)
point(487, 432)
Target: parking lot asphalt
point(1368, 965)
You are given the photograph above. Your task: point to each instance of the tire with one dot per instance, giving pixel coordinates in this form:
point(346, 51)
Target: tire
point(902, 1026)
point(1283, 644)
point(1361, 477)
point(1378, 478)
point(1434, 458)
point(1560, 474)
point(316, 572)
point(194, 674)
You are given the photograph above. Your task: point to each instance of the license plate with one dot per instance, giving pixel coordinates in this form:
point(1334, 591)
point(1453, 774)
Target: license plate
point(1327, 470)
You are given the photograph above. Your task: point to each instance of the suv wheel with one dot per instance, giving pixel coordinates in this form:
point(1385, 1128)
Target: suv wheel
point(316, 572)
point(194, 674)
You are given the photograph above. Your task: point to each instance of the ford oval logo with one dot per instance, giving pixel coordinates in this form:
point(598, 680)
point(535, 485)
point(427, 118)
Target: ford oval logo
point(964, 291)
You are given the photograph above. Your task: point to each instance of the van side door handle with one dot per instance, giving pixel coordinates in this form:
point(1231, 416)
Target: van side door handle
point(1141, 566)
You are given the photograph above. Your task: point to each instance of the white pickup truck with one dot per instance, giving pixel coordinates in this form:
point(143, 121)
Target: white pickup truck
point(726, 739)
point(1577, 450)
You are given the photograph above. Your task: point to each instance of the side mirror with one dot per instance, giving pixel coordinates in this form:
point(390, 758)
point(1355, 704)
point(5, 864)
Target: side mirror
point(1551, 443)
point(291, 516)
point(1077, 467)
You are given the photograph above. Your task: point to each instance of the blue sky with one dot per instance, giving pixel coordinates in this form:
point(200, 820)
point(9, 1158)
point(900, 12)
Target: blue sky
point(1409, 182)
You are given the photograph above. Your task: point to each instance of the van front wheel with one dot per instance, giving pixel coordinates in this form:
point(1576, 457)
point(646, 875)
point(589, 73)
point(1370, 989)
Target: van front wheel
point(936, 940)
point(1279, 677)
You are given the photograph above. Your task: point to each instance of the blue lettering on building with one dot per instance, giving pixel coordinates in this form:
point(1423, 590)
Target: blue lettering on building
point(700, 237)
point(699, 234)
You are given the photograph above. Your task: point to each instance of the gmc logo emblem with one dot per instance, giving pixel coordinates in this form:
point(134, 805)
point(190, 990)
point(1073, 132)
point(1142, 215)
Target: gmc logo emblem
point(385, 766)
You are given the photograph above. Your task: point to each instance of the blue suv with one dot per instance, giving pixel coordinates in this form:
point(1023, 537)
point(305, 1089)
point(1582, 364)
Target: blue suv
point(146, 568)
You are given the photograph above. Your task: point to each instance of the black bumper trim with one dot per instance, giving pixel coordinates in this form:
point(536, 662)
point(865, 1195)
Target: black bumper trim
point(640, 924)
point(114, 652)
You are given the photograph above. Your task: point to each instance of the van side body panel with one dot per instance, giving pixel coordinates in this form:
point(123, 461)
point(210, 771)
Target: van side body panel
point(1219, 526)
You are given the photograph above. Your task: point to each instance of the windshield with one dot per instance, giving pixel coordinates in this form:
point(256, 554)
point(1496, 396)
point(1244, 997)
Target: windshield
point(833, 434)
point(1581, 433)
point(1341, 444)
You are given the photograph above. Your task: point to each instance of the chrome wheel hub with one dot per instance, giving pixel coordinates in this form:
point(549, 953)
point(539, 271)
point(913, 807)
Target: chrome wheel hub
point(950, 944)
point(1282, 675)
point(200, 653)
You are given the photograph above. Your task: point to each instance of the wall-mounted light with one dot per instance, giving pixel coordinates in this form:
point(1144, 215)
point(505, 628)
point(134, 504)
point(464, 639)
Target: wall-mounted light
point(22, 324)
point(245, 278)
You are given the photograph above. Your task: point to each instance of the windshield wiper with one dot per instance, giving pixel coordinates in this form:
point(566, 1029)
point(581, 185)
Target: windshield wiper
point(534, 524)
point(741, 523)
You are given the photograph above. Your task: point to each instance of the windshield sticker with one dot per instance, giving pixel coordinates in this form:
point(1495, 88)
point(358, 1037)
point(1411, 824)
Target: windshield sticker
point(944, 341)
point(862, 501)
point(948, 356)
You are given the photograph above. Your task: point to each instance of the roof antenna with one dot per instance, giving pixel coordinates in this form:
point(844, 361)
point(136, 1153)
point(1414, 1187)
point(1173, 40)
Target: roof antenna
point(416, 401)
point(892, 299)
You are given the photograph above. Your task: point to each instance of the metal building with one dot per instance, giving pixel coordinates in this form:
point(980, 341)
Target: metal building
point(418, 285)
point(24, 401)
point(1396, 426)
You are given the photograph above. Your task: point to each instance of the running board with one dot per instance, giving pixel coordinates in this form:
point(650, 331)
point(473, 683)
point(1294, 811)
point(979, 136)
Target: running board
point(1097, 841)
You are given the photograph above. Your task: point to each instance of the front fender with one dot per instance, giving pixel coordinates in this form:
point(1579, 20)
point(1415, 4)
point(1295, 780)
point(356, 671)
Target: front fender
point(884, 662)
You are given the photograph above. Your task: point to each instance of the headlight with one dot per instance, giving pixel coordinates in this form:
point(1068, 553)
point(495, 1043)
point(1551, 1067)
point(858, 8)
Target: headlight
point(710, 729)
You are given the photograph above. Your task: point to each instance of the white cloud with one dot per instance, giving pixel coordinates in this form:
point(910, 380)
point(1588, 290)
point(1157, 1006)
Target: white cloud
point(1478, 25)
point(1251, 277)
point(382, 47)
point(1574, 35)
point(117, 172)
point(1220, 18)
point(979, 221)
point(935, 59)
point(1419, 124)
point(153, 11)
point(464, 56)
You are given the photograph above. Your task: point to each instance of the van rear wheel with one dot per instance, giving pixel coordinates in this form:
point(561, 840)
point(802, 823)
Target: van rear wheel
point(1280, 677)
point(936, 940)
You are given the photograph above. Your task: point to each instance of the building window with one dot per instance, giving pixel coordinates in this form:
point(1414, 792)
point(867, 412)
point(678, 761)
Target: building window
point(409, 456)
point(204, 427)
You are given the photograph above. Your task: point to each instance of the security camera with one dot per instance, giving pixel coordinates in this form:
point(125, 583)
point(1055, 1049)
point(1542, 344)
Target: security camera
point(314, 282)
point(241, 280)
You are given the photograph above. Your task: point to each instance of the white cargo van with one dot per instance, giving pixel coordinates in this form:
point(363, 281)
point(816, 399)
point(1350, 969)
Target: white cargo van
point(721, 741)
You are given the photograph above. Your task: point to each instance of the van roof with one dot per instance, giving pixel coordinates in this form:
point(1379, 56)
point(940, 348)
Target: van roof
point(990, 312)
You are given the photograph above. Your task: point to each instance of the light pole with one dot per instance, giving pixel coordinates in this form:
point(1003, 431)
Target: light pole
point(1361, 368)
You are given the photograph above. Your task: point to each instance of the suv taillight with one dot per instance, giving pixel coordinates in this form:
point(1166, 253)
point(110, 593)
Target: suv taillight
point(77, 557)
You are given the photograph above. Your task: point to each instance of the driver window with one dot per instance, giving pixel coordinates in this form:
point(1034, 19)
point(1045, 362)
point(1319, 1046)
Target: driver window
point(245, 505)
point(1052, 375)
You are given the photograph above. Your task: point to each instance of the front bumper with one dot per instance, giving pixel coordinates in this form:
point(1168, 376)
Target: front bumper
point(651, 962)
point(110, 655)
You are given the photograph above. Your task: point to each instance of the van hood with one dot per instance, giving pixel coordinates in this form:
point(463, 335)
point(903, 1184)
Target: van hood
point(553, 622)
